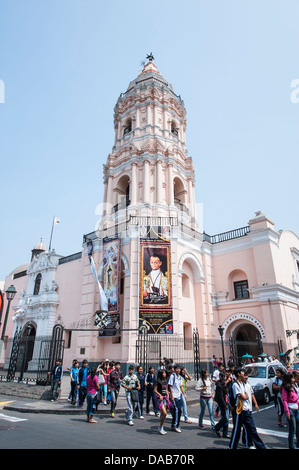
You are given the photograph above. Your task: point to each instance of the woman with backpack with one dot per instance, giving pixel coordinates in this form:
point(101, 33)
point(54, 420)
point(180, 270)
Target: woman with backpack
point(205, 386)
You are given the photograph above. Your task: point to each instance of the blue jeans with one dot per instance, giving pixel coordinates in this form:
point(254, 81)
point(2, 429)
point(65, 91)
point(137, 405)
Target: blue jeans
point(293, 429)
point(90, 404)
point(203, 403)
point(82, 395)
point(104, 388)
point(184, 406)
point(223, 423)
point(150, 395)
point(176, 413)
point(54, 388)
point(130, 410)
point(140, 403)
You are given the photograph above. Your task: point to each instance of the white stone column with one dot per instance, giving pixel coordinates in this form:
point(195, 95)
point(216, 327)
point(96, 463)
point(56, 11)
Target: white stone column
point(134, 184)
point(190, 198)
point(109, 200)
point(170, 185)
point(146, 181)
point(159, 182)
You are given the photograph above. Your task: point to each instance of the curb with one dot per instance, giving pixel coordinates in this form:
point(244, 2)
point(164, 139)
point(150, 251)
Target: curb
point(66, 409)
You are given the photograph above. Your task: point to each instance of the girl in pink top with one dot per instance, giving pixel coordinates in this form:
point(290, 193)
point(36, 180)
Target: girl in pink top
point(290, 402)
point(92, 388)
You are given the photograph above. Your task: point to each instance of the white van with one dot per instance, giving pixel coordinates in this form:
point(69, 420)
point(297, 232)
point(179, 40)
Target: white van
point(261, 376)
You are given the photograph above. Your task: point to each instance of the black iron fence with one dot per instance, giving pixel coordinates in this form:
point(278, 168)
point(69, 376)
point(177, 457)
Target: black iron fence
point(151, 350)
point(30, 358)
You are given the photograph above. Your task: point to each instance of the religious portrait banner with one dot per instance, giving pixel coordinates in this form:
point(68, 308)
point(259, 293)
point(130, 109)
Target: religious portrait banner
point(155, 295)
point(109, 323)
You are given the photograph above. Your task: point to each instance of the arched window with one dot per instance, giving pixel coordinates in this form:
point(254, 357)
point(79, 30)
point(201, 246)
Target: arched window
point(37, 284)
point(122, 191)
point(238, 285)
point(128, 127)
point(174, 129)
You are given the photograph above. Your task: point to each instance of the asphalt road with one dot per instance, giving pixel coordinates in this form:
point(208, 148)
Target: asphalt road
point(48, 431)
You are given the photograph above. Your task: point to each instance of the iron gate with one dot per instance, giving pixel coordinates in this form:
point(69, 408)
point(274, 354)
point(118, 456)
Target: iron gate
point(238, 348)
point(31, 357)
point(50, 350)
point(152, 349)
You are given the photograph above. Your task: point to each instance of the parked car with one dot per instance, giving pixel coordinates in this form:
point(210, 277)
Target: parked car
point(294, 366)
point(261, 376)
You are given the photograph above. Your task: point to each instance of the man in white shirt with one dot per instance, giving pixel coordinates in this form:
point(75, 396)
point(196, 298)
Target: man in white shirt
point(176, 389)
point(243, 395)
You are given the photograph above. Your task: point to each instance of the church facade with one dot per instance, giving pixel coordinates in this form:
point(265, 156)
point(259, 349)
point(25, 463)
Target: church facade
point(148, 269)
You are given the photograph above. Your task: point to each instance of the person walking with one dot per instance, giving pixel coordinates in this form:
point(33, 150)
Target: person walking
point(175, 386)
point(205, 386)
point(221, 399)
point(71, 390)
point(244, 418)
point(114, 379)
point(246, 439)
point(104, 385)
point(150, 380)
point(296, 383)
point(92, 385)
point(185, 375)
point(220, 368)
point(74, 379)
point(141, 379)
point(130, 383)
point(277, 384)
point(56, 375)
point(84, 371)
point(162, 394)
point(290, 402)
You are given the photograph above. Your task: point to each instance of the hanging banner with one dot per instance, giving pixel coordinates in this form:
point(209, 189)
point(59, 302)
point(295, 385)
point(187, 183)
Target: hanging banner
point(155, 296)
point(1, 305)
point(109, 323)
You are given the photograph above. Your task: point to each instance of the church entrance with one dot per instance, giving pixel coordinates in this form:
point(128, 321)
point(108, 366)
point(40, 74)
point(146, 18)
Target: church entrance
point(245, 340)
point(27, 345)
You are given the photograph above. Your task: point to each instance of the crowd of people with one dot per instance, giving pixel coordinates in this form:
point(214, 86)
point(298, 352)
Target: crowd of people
point(230, 390)
point(225, 392)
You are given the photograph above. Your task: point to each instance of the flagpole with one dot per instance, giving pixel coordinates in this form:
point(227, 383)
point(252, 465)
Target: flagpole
point(51, 235)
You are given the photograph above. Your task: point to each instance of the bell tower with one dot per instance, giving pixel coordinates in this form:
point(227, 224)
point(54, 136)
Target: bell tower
point(148, 227)
point(149, 172)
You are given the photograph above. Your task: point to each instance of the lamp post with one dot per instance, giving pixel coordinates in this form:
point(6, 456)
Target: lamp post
point(221, 331)
point(10, 294)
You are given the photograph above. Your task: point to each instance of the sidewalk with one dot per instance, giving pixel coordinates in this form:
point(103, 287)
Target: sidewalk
point(63, 406)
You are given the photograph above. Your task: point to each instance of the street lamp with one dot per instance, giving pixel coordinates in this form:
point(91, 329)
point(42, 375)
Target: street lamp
point(221, 331)
point(10, 294)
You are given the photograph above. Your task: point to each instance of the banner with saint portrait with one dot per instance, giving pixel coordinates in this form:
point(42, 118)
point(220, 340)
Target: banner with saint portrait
point(155, 294)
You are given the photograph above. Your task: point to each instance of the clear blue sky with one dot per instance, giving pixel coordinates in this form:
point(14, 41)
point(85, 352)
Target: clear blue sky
point(64, 64)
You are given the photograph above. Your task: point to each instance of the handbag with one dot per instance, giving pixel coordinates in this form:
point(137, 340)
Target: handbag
point(135, 395)
point(239, 407)
point(97, 399)
point(101, 379)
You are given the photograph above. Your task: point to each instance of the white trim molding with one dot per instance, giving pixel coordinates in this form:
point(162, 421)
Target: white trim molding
point(248, 318)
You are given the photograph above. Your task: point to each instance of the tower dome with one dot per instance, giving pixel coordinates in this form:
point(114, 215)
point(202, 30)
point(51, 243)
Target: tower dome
point(39, 248)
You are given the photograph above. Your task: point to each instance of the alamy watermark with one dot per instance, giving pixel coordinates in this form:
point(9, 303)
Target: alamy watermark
point(295, 93)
